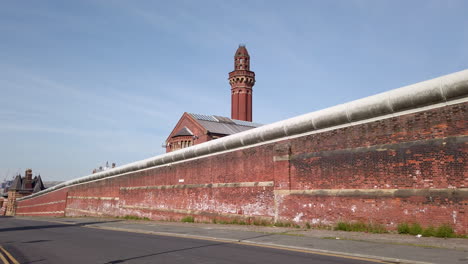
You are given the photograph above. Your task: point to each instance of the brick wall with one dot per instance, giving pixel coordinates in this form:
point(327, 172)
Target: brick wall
point(51, 204)
point(410, 167)
point(3, 205)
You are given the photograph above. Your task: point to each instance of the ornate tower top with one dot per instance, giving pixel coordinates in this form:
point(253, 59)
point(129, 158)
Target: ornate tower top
point(241, 80)
point(242, 59)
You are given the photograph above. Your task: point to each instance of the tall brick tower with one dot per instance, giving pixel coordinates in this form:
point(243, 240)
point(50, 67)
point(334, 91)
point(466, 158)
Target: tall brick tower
point(241, 80)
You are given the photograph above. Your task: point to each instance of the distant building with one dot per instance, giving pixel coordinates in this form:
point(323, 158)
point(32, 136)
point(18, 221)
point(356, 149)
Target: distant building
point(4, 186)
point(22, 186)
point(101, 168)
point(193, 129)
point(3, 203)
point(4, 195)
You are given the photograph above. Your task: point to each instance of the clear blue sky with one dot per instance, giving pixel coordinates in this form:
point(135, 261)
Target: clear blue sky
point(85, 82)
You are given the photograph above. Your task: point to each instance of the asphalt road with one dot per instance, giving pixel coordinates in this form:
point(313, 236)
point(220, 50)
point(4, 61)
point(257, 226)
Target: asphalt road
point(44, 242)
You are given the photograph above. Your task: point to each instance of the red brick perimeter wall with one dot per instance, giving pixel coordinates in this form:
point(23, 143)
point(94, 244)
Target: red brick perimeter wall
point(50, 204)
point(408, 168)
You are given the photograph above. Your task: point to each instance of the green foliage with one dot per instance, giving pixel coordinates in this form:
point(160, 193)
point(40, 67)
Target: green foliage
point(235, 221)
point(134, 217)
point(342, 226)
point(415, 229)
point(188, 219)
point(323, 227)
point(258, 222)
point(360, 227)
point(279, 224)
point(428, 232)
point(445, 231)
point(403, 228)
point(377, 228)
point(347, 226)
point(308, 225)
point(284, 224)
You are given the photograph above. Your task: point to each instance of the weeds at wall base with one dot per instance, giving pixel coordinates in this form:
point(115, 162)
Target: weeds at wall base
point(444, 231)
point(287, 224)
point(188, 219)
point(361, 227)
point(236, 221)
point(134, 217)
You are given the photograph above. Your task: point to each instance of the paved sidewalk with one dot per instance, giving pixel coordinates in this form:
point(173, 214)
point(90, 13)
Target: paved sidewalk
point(388, 247)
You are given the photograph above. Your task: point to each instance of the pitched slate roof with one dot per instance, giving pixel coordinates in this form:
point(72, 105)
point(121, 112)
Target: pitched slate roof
point(17, 183)
point(38, 184)
point(223, 125)
point(37, 188)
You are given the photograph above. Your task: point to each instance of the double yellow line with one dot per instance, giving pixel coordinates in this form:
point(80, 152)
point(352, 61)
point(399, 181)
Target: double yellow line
point(6, 257)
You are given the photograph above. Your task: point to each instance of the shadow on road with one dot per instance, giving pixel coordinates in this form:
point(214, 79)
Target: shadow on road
point(182, 249)
point(22, 228)
point(161, 253)
point(37, 260)
point(36, 241)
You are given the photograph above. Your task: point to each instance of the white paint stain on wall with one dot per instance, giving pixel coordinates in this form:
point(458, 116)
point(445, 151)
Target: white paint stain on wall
point(353, 208)
point(316, 221)
point(298, 217)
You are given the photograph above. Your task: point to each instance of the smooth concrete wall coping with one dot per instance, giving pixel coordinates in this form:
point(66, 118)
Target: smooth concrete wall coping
point(438, 90)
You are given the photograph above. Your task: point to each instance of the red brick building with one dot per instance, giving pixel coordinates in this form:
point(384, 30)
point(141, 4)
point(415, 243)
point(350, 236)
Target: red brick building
point(22, 186)
point(194, 129)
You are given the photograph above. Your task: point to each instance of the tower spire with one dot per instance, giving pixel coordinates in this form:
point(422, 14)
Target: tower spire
point(241, 80)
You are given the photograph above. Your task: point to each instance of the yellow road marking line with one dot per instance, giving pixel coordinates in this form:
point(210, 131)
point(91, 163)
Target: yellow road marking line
point(5, 261)
point(9, 256)
point(309, 251)
point(227, 241)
